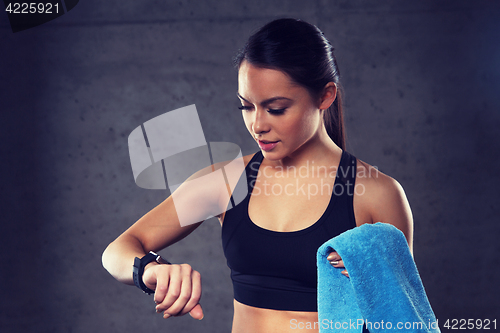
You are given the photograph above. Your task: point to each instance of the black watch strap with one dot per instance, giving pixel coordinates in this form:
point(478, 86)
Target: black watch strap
point(138, 270)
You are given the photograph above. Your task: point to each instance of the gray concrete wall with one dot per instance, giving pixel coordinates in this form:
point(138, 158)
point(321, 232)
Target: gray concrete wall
point(422, 103)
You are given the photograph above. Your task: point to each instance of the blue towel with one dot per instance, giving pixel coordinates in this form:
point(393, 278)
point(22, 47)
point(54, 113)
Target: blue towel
point(383, 290)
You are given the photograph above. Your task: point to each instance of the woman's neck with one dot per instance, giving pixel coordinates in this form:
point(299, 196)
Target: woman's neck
point(320, 148)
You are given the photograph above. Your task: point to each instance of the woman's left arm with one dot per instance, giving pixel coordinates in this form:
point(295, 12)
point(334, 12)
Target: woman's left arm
point(379, 199)
point(385, 201)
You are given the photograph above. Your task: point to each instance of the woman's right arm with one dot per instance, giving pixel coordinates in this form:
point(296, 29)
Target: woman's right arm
point(177, 287)
point(156, 230)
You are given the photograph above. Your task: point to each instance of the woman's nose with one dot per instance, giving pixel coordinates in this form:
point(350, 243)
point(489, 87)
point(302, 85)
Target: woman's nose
point(261, 124)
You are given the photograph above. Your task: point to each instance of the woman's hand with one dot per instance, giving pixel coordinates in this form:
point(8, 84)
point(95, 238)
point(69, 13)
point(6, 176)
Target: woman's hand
point(337, 262)
point(177, 289)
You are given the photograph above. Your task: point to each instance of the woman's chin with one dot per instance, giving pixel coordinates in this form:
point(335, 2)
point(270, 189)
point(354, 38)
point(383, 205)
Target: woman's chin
point(271, 155)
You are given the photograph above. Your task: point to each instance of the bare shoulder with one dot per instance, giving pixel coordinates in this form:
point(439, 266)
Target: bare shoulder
point(377, 185)
point(247, 158)
point(233, 171)
point(381, 198)
point(205, 193)
point(235, 168)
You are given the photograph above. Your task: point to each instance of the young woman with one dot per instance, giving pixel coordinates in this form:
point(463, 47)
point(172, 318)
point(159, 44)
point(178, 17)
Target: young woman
point(303, 189)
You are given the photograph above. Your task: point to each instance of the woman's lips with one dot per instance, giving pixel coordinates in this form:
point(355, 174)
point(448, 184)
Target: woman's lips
point(267, 145)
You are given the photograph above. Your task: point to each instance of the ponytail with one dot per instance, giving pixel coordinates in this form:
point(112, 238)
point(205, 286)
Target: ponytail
point(333, 118)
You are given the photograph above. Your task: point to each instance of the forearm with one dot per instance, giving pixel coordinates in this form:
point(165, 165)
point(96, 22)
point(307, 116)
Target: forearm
point(118, 258)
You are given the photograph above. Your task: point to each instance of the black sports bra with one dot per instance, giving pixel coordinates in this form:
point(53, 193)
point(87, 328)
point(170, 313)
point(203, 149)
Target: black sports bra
point(277, 270)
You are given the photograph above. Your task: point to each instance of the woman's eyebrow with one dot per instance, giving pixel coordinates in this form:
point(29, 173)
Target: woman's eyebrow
point(267, 101)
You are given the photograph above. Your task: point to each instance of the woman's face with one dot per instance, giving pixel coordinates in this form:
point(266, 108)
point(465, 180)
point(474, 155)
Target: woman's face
point(279, 114)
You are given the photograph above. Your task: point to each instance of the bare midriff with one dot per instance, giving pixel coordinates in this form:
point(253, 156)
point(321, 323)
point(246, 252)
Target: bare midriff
point(248, 319)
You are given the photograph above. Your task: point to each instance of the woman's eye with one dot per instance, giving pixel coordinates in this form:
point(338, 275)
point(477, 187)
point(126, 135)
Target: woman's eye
point(276, 111)
point(244, 107)
point(271, 111)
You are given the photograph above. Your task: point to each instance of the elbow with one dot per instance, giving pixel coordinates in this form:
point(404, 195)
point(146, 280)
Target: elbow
point(110, 259)
point(113, 261)
point(105, 258)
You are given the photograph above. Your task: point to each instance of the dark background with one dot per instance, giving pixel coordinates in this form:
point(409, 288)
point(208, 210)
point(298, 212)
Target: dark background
point(422, 83)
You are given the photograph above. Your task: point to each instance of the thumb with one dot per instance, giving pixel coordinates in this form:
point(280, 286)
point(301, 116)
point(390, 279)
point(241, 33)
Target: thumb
point(197, 312)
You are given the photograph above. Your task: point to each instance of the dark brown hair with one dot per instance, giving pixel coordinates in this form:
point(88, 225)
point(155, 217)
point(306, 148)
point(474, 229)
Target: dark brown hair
point(300, 50)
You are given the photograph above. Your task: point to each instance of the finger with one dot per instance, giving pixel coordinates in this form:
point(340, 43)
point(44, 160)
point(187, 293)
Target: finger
point(149, 276)
point(197, 312)
point(333, 256)
point(184, 295)
point(195, 293)
point(337, 263)
point(173, 289)
point(162, 283)
point(344, 272)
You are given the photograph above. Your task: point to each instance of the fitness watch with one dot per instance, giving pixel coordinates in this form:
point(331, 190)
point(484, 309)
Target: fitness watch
point(138, 270)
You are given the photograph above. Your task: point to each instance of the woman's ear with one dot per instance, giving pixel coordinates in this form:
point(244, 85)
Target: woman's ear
point(328, 96)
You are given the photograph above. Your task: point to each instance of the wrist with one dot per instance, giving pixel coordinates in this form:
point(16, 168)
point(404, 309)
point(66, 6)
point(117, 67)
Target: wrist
point(140, 266)
point(147, 267)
